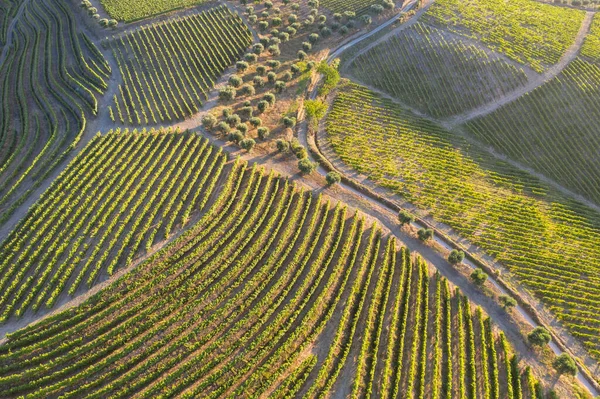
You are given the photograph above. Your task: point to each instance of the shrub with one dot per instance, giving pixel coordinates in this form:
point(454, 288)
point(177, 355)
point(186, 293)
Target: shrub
point(273, 64)
point(223, 127)
point(282, 145)
point(242, 127)
point(539, 336)
point(284, 36)
point(333, 178)
point(248, 90)
point(322, 19)
point(262, 106)
point(291, 30)
point(301, 153)
point(325, 31)
point(349, 15)
point(287, 76)
point(292, 18)
point(241, 66)
point(92, 10)
point(507, 301)
point(258, 81)
point(456, 256)
point(306, 46)
point(247, 111)
point(270, 98)
point(255, 121)
point(227, 93)
point(103, 22)
point(261, 70)
point(252, 19)
point(343, 30)
point(233, 119)
point(335, 26)
point(249, 10)
point(425, 234)
point(263, 132)
point(302, 55)
point(309, 21)
point(274, 50)
point(389, 4)
point(366, 19)
point(251, 58)
point(263, 25)
point(405, 217)
point(226, 112)
point(268, 5)
point(332, 77)
point(314, 12)
point(235, 81)
point(247, 144)
point(279, 86)
point(315, 109)
point(289, 122)
point(337, 16)
point(236, 136)
point(295, 69)
point(209, 121)
point(113, 23)
point(478, 277)
point(306, 166)
point(272, 77)
point(310, 65)
point(377, 8)
point(264, 14)
point(295, 7)
point(564, 364)
point(258, 48)
point(276, 21)
point(313, 38)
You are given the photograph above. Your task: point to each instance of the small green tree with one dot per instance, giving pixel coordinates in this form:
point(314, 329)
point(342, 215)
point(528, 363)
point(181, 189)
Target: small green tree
point(235, 81)
point(247, 144)
point(209, 121)
point(405, 217)
point(564, 364)
point(306, 166)
point(539, 336)
point(282, 145)
point(478, 277)
point(270, 98)
point(315, 109)
point(425, 234)
point(333, 178)
point(456, 256)
point(507, 301)
point(241, 66)
point(236, 136)
point(255, 121)
point(263, 132)
point(262, 106)
point(227, 93)
point(289, 122)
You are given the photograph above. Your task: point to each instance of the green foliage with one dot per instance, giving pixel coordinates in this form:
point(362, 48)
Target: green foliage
point(315, 109)
point(539, 336)
point(306, 166)
point(331, 78)
point(425, 234)
point(133, 10)
point(282, 145)
point(456, 256)
point(479, 277)
point(405, 217)
point(247, 144)
point(333, 178)
point(507, 301)
point(564, 364)
point(209, 121)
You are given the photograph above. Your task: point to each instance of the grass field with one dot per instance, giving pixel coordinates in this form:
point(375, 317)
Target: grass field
point(553, 129)
point(124, 193)
point(133, 10)
point(547, 241)
point(234, 306)
point(49, 85)
point(435, 72)
point(169, 68)
point(527, 31)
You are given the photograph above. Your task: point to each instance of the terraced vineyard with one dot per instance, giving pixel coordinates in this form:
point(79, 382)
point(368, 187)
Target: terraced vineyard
point(553, 129)
point(123, 194)
point(50, 79)
point(169, 68)
point(8, 10)
point(236, 304)
point(527, 31)
point(549, 242)
point(435, 72)
point(133, 10)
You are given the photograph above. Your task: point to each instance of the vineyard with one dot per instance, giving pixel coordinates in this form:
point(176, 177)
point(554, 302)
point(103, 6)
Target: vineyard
point(548, 241)
point(123, 194)
point(133, 10)
point(357, 6)
point(8, 10)
point(50, 79)
point(553, 129)
point(236, 304)
point(169, 68)
point(435, 72)
point(527, 31)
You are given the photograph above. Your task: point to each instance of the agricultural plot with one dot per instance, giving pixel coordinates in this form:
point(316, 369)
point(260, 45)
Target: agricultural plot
point(435, 72)
point(133, 10)
point(233, 307)
point(553, 129)
point(49, 83)
point(8, 10)
point(340, 6)
point(591, 46)
point(124, 193)
point(547, 241)
point(169, 68)
point(527, 31)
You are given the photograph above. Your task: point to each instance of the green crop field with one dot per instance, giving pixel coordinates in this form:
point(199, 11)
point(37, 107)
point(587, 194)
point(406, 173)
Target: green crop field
point(49, 85)
point(234, 305)
point(357, 6)
point(132, 10)
point(549, 242)
point(527, 31)
point(169, 68)
point(435, 72)
point(124, 193)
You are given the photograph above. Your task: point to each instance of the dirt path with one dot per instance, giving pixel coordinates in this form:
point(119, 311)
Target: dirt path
point(549, 74)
